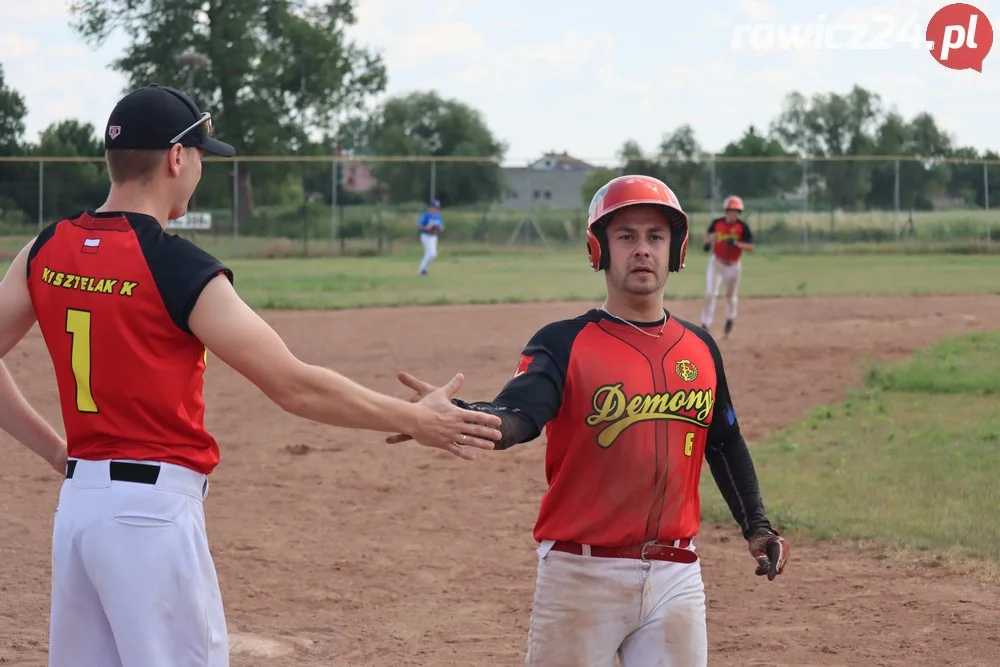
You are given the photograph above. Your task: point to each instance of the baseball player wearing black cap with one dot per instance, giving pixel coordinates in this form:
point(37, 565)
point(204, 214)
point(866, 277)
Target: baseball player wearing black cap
point(128, 313)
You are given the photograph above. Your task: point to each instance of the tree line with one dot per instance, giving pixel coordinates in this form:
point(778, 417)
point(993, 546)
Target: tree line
point(282, 78)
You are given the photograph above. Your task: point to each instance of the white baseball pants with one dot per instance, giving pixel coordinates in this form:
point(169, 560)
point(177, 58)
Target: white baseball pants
point(727, 275)
point(133, 581)
point(430, 243)
point(589, 610)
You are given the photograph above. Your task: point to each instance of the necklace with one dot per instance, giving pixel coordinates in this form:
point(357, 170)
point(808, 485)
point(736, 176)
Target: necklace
point(639, 329)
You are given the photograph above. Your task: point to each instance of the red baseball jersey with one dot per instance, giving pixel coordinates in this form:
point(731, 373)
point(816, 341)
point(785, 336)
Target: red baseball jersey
point(112, 293)
point(725, 230)
point(628, 419)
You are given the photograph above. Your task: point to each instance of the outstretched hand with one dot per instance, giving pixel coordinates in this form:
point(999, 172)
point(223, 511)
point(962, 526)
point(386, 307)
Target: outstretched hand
point(443, 424)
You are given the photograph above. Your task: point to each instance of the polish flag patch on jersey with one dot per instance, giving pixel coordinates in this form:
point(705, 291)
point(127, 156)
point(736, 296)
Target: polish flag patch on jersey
point(90, 246)
point(522, 366)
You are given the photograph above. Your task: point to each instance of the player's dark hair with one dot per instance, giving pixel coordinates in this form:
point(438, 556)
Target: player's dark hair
point(128, 165)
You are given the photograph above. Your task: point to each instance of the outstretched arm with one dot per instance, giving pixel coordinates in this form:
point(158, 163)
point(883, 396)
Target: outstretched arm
point(244, 341)
point(729, 459)
point(17, 417)
point(530, 399)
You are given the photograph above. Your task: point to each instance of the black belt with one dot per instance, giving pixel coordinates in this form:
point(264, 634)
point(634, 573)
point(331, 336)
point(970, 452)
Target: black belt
point(122, 471)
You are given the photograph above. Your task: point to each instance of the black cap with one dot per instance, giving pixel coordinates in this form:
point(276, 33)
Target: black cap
point(151, 118)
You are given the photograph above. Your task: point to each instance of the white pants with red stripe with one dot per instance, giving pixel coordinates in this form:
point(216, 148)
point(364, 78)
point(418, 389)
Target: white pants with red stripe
point(728, 276)
point(133, 582)
point(589, 610)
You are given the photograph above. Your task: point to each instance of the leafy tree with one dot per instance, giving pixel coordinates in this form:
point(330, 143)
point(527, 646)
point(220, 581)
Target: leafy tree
point(423, 123)
point(272, 70)
point(679, 163)
point(920, 180)
point(757, 178)
point(17, 180)
point(833, 125)
point(70, 187)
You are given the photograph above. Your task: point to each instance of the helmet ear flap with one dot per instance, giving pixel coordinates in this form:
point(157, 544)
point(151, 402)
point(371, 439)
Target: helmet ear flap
point(597, 249)
point(678, 252)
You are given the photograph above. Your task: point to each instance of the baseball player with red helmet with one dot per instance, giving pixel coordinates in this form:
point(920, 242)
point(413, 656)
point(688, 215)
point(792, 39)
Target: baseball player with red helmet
point(631, 399)
point(727, 238)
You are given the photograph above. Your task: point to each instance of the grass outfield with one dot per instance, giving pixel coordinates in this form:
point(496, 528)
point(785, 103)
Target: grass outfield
point(352, 282)
point(909, 463)
point(360, 282)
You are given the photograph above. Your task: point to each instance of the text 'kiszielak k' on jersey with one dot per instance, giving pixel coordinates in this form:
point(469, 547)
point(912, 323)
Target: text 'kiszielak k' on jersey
point(112, 293)
point(628, 420)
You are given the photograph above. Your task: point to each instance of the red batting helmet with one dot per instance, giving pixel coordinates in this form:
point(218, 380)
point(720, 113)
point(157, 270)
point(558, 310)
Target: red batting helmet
point(733, 202)
point(634, 190)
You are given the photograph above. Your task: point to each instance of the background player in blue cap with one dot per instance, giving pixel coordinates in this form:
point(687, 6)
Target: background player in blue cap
point(430, 226)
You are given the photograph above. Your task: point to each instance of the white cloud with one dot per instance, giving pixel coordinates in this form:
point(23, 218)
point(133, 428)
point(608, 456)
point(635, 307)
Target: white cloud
point(574, 76)
point(757, 11)
point(13, 45)
point(33, 11)
point(434, 41)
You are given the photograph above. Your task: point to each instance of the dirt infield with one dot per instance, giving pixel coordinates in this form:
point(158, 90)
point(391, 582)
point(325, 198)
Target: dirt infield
point(336, 549)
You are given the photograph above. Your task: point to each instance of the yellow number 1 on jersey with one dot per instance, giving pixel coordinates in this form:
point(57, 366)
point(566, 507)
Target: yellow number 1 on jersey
point(78, 326)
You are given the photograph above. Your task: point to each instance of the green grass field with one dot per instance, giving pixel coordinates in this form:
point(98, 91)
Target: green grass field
point(910, 462)
point(495, 276)
point(358, 282)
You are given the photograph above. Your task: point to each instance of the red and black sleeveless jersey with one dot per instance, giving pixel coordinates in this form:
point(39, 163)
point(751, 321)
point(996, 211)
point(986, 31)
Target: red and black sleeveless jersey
point(112, 293)
point(628, 419)
point(725, 230)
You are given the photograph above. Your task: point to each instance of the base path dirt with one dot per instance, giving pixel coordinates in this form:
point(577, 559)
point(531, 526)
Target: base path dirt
point(336, 549)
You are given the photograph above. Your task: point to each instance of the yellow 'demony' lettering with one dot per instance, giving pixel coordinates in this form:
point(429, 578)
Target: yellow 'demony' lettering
point(88, 283)
point(78, 327)
point(612, 406)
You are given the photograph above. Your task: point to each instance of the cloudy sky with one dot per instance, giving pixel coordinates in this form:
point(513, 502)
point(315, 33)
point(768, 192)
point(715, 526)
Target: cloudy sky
point(585, 75)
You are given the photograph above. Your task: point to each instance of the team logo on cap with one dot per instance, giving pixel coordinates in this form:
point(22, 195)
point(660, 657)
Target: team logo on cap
point(114, 131)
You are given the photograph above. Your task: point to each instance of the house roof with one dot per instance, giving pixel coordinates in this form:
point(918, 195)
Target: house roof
point(564, 160)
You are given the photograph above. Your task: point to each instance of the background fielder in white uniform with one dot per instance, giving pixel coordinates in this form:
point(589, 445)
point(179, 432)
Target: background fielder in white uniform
point(431, 226)
point(727, 238)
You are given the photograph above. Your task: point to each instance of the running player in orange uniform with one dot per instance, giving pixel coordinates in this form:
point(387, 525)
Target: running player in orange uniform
point(728, 238)
point(632, 399)
point(128, 313)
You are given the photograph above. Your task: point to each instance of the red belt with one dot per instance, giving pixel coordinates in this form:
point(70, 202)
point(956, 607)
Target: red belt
point(674, 552)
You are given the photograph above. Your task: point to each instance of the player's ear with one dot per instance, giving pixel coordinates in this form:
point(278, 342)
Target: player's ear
point(175, 158)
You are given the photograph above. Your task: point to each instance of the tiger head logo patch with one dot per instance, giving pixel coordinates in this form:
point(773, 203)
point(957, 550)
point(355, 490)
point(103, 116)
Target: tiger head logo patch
point(686, 370)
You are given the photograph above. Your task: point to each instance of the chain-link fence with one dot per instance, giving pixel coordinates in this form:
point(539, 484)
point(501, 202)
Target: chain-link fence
point(322, 205)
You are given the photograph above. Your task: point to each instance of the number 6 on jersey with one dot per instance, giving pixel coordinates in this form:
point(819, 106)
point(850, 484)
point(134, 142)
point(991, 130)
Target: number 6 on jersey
point(78, 326)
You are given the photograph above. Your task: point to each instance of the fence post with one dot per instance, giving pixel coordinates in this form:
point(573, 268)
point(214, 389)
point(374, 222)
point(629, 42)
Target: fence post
point(41, 193)
point(236, 199)
point(895, 203)
point(433, 193)
point(712, 185)
point(333, 202)
point(986, 203)
point(805, 200)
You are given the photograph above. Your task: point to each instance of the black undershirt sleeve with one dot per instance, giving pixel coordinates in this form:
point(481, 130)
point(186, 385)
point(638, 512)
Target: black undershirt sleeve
point(729, 458)
point(180, 269)
point(533, 396)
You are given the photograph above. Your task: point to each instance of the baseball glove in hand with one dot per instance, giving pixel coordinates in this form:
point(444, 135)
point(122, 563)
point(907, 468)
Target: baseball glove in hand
point(707, 247)
point(770, 550)
point(732, 242)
